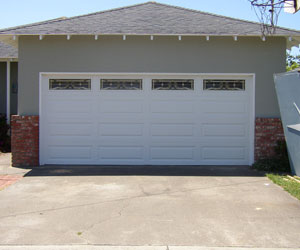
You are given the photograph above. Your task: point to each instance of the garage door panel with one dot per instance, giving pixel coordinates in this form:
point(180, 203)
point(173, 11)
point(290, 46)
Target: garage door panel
point(126, 106)
point(238, 96)
point(224, 162)
point(174, 118)
point(217, 153)
point(172, 130)
point(70, 129)
point(120, 95)
point(79, 140)
point(121, 153)
point(224, 107)
point(121, 129)
point(184, 141)
point(215, 141)
point(121, 118)
point(69, 93)
point(224, 118)
point(70, 152)
point(157, 95)
point(67, 107)
point(172, 153)
point(71, 161)
point(121, 162)
point(224, 130)
point(172, 107)
point(120, 140)
point(70, 117)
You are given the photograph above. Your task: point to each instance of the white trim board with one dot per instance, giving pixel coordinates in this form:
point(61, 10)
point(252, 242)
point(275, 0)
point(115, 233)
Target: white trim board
point(9, 59)
point(146, 73)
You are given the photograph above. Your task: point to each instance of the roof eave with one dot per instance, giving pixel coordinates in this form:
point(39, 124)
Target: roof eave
point(11, 59)
point(294, 42)
point(8, 40)
point(12, 39)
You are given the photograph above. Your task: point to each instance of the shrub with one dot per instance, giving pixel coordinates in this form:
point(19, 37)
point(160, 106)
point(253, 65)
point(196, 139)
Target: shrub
point(277, 163)
point(4, 136)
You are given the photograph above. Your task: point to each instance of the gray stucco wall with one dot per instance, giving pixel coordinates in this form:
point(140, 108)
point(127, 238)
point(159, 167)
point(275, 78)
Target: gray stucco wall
point(140, 54)
point(13, 80)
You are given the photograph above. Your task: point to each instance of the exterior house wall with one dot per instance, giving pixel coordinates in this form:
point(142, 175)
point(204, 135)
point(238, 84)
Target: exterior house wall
point(13, 80)
point(140, 54)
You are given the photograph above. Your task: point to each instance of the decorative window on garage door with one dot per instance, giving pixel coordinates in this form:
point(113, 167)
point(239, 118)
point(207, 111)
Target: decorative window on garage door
point(217, 84)
point(70, 84)
point(121, 84)
point(170, 84)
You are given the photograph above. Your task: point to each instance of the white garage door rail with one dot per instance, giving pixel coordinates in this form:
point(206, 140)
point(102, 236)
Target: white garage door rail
point(169, 119)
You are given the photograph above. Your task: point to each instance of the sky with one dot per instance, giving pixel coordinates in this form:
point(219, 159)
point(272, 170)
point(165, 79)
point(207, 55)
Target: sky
point(19, 12)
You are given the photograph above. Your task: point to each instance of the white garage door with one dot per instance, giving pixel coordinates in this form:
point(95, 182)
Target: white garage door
point(146, 119)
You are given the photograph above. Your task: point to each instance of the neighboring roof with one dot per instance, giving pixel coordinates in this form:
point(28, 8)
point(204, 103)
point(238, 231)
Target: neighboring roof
point(8, 51)
point(14, 44)
point(147, 18)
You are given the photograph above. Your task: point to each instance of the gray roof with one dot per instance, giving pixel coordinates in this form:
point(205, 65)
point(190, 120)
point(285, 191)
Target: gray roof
point(8, 51)
point(147, 18)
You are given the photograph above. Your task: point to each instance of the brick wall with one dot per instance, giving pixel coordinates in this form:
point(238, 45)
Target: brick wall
point(25, 140)
point(267, 132)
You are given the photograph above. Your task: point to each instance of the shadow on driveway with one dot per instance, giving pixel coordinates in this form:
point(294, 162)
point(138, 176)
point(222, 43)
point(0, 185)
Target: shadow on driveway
point(107, 170)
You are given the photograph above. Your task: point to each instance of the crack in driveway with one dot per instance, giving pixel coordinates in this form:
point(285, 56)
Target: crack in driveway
point(103, 221)
point(144, 195)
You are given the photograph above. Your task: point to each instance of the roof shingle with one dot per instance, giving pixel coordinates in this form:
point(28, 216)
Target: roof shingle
point(8, 51)
point(147, 18)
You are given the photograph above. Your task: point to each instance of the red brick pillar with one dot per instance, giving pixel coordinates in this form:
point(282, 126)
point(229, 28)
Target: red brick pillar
point(267, 132)
point(25, 140)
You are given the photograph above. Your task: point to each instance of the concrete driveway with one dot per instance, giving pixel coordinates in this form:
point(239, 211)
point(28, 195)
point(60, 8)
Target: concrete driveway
point(138, 206)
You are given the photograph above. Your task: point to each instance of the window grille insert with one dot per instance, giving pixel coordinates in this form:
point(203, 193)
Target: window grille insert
point(172, 84)
point(121, 84)
point(224, 84)
point(70, 84)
